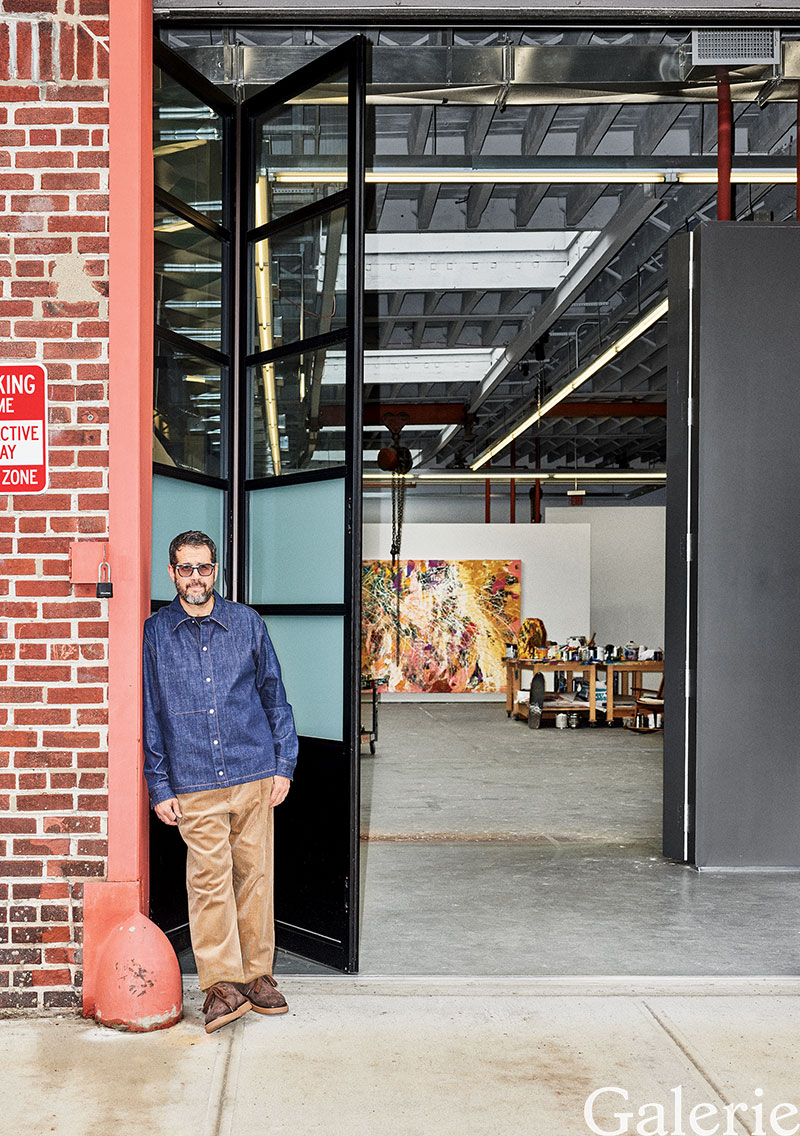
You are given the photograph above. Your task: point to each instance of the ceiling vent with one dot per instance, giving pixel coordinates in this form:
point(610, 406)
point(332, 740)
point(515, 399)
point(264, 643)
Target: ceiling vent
point(735, 47)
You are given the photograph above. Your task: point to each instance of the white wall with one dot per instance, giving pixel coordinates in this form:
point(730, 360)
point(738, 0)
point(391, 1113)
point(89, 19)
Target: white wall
point(627, 574)
point(555, 571)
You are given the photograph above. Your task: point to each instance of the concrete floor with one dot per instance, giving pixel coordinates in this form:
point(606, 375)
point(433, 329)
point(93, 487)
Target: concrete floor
point(354, 1057)
point(492, 849)
point(467, 771)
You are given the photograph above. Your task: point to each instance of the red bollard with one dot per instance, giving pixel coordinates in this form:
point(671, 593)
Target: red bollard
point(138, 978)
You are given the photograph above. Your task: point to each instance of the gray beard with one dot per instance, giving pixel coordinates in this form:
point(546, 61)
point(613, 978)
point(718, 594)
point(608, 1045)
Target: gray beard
point(195, 597)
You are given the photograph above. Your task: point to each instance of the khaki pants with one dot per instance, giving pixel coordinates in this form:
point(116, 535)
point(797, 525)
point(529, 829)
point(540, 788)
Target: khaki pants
point(228, 835)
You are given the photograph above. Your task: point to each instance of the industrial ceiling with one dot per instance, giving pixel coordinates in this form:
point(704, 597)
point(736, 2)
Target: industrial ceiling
point(524, 186)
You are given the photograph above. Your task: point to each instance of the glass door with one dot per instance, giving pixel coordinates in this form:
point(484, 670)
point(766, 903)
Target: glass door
point(300, 357)
point(193, 144)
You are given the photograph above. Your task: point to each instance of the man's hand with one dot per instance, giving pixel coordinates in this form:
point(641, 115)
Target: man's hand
point(168, 811)
point(280, 787)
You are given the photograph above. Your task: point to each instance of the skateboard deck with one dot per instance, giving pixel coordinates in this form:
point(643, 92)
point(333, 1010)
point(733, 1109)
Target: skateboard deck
point(536, 702)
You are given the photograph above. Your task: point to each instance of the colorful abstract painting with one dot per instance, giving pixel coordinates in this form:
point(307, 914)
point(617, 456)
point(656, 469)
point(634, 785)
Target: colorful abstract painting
point(456, 617)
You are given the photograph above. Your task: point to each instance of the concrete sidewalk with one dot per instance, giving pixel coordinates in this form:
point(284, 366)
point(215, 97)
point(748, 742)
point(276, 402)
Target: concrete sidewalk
point(421, 1057)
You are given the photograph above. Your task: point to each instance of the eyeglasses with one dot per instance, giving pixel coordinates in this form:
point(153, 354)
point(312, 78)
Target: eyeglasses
point(186, 570)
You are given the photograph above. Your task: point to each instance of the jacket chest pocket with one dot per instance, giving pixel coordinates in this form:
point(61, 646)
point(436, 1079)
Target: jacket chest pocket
point(184, 693)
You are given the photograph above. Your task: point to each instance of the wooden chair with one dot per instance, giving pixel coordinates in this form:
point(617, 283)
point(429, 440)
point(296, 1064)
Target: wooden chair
point(648, 702)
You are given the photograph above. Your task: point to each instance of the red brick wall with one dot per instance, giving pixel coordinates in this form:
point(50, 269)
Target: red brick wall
point(53, 643)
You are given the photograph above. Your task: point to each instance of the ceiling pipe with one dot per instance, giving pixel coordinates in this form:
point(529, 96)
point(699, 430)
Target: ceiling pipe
point(724, 146)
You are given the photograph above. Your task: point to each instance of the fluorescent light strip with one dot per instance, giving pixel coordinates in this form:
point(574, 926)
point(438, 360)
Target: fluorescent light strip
point(417, 177)
point(264, 314)
point(632, 334)
point(464, 477)
point(537, 177)
point(739, 177)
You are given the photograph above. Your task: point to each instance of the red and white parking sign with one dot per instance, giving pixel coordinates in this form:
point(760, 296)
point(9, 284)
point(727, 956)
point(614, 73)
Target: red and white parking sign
point(23, 428)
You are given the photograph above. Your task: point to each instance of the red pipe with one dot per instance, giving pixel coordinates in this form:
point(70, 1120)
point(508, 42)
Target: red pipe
point(512, 508)
point(724, 146)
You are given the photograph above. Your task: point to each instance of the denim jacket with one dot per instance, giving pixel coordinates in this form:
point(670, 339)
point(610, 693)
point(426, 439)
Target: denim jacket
point(215, 710)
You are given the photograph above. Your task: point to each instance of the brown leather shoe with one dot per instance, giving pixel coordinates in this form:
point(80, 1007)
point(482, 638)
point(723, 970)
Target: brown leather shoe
point(264, 995)
point(224, 1003)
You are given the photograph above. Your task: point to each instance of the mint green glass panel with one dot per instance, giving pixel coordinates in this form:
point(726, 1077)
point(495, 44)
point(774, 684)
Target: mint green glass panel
point(177, 507)
point(297, 543)
point(310, 649)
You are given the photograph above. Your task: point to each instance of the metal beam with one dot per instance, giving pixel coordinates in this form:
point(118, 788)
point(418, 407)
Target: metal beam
point(596, 408)
point(477, 129)
point(426, 203)
point(415, 413)
point(537, 124)
point(477, 200)
point(418, 129)
point(596, 124)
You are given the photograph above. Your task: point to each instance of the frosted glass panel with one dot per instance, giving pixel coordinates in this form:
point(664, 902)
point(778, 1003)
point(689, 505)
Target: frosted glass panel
point(310, 650)
point(177, 507)
point(297, 543)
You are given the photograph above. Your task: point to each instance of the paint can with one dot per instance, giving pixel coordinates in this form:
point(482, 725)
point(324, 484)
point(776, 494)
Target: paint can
point(574, 720)
point(561, 721)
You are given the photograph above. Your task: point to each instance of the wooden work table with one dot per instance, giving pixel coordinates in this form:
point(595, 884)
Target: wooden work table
point(631, 680)
point(619, 704)
point(515, 667)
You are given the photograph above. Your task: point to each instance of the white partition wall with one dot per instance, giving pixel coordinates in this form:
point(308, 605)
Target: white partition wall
point(627, 569)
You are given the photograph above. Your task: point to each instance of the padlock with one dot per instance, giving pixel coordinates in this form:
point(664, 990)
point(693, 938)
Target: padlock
point(105, 589)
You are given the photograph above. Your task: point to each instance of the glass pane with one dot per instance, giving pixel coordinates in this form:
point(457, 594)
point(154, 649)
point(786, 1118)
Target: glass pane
point(310, 649)
point(297, 145)
point(297, 543)
point(187, 146)
point(297, 413)
point(188, 268)
point(299, 282)
point(177, 507)
point(189, 411)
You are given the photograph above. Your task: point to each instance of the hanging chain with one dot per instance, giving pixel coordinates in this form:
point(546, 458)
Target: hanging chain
point(398, 509)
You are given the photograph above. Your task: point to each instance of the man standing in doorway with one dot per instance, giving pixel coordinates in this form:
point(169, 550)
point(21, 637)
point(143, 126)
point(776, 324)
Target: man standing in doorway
point(220, 749)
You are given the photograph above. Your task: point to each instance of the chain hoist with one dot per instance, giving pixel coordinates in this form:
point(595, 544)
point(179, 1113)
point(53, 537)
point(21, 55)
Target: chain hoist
point(397, 460)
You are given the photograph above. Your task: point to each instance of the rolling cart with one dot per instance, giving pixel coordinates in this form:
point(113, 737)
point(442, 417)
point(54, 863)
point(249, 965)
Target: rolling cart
point(370, 699)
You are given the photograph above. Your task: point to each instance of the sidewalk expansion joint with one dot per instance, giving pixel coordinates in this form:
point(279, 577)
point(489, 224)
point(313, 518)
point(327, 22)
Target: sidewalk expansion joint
point(684, 1047)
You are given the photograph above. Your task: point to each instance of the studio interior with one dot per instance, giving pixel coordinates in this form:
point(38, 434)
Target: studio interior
point(524, 191)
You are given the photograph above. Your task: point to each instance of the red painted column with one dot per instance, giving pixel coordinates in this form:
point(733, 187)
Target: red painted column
point(130, 422)
point(724, 146)
point(131, 976)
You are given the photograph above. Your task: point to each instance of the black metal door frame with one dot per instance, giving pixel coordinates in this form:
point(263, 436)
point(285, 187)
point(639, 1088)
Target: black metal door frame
point(341, 949)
